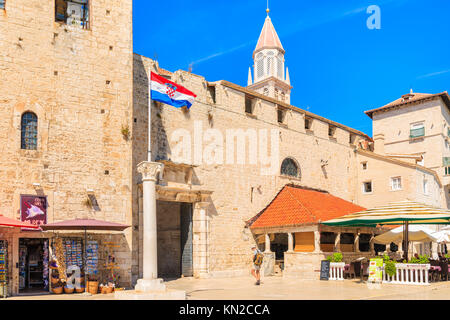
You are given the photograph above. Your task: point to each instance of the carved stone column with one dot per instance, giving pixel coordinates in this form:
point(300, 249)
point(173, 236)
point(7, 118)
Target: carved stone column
point(267, 248)
point(372, 244)
point(317, 248)
point(150, 282)
point(201, 226)
point(356, 243)
point(290, 242)
point(337, 242)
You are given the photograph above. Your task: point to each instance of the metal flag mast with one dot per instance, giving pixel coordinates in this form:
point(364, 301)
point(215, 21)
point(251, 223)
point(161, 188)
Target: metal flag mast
point(149, 151)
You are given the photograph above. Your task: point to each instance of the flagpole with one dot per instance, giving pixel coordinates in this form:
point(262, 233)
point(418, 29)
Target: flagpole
point(149, 151)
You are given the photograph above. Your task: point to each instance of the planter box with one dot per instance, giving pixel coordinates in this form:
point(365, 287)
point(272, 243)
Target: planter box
point(408, 273)
point(337, 270)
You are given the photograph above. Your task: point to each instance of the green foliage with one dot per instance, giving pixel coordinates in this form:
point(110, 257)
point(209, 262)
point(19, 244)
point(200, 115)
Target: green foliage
point(421, 260)
point(390, 268)
point(386, 258)
point(336, 257)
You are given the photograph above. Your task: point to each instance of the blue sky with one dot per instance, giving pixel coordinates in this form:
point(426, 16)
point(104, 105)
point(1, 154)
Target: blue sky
point(338, 67)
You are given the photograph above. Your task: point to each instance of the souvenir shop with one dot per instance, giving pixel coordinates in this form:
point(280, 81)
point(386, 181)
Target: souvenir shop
point(70, 267)
point(33, 265)
point(3, 268)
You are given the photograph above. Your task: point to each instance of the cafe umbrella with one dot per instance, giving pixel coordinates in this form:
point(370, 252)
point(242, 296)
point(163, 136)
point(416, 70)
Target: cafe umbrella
point(397, 213)
point(84, 225)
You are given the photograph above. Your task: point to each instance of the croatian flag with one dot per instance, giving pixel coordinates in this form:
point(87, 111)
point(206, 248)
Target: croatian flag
point(170, 93)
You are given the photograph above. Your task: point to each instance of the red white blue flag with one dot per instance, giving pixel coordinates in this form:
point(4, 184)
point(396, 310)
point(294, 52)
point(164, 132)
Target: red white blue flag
point(170, 93)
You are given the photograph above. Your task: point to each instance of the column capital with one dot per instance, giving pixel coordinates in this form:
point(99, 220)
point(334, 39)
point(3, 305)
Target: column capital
point(201, 205)
point(150, 170)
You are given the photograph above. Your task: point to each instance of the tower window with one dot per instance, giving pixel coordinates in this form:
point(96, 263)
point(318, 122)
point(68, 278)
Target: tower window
point(260, 66)
point(280, 66)
point(75, 12)
point(2, 4)
point(269, 65)
point(28, 130)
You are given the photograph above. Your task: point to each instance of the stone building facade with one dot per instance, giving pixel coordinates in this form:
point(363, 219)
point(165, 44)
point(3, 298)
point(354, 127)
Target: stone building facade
point(76, 79)
point(89, 94)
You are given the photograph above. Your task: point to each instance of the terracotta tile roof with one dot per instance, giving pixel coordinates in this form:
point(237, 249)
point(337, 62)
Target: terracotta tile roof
point(410, 98)
point(269, 38)
point(296, 205)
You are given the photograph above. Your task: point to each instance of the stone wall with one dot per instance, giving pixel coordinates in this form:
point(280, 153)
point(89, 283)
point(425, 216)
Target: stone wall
point(306, 265)
point(239, 191)
point(79, 84)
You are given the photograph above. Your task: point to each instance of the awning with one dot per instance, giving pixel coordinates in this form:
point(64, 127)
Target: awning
point(394, 213)
point(7, 222)
point(85, 224)
point(415, 233)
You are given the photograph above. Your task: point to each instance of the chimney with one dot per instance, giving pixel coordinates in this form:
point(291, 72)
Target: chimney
point(379, 143)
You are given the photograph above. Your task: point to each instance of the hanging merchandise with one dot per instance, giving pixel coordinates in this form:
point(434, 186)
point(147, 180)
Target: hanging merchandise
point(3, 268)
point(60, 258)
point(45, 265)
point(73, 250)
point(22, 266)
point(91, 258)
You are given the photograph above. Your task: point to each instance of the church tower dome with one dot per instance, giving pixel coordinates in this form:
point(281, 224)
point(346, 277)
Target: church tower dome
point(269, 73)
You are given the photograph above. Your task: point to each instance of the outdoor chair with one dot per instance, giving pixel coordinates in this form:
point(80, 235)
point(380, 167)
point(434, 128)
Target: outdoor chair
point(444, 270)
point(350, 271)
point(365, 269)
point(357, 268)
point(435, 270)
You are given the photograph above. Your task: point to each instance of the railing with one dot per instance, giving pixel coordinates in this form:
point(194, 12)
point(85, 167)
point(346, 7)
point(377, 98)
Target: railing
point(407, 273)
point(337, 270)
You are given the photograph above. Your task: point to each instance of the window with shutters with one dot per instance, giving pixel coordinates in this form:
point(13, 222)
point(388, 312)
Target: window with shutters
point(417, 130)
point(396, 183)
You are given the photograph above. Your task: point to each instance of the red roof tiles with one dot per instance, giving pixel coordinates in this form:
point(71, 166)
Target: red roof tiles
point(295, 206)
point(410, 98)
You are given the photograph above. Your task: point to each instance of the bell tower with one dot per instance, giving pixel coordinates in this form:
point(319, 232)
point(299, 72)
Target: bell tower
point(270, 77)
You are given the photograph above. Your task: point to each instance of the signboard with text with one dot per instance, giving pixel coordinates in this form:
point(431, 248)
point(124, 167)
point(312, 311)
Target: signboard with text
point(376, 270)
point(33, 209)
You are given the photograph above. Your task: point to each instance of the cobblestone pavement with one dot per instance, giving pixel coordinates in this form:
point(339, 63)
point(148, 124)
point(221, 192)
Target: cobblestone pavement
point(277, 288)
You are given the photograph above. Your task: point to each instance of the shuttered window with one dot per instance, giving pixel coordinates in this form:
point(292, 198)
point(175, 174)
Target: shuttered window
point(417, 130)
point(304, 242)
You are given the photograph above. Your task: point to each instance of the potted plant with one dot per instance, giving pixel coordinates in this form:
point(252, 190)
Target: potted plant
point(336, 260)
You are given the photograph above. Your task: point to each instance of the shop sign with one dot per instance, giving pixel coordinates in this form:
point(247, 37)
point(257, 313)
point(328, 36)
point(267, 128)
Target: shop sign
point(33, 209)
point(376, 270)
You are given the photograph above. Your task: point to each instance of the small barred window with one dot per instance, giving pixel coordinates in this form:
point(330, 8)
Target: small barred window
point(29, 131)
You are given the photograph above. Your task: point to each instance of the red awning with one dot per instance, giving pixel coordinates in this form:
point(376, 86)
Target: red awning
point(7, 222)
point(85, 224)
